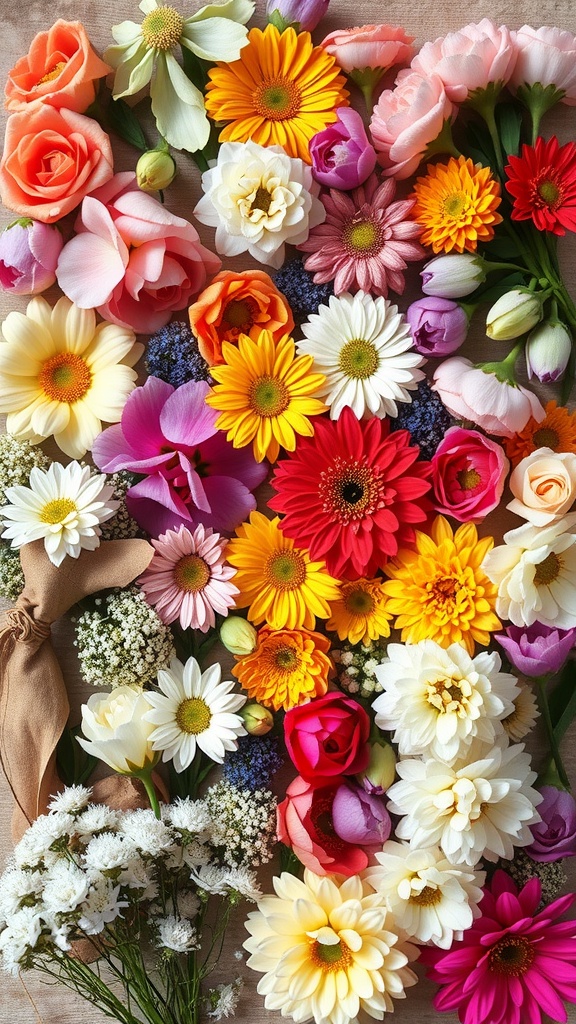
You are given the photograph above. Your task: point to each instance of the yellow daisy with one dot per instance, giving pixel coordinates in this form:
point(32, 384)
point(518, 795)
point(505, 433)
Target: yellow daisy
point(288, 667)
point(360, 614)
point(455, 204)
point(277, 580)
point(281, 91)
point(439, 591)
point(263, 393)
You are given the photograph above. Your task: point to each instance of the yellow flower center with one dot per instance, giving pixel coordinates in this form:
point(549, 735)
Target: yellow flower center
point(362, 238)
point(285, 570)
point(455, 204)
point(162, 28)
point(449, 695)
point(261, 200)
point(512, 955)
point(546, 437)
point(193, 716)
point(239, 314)
point(52, 74)
point(547, 570)
point(330, 958)
point(55, 511)
point(359, 602)
point(429, 897)
point(191, 574)
point(65, 377)
point(277, 98)
point(268, 396)
point(358, 359)
point(468, 479)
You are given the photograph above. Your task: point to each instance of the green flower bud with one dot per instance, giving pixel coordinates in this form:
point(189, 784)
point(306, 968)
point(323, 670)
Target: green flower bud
point(238, 636)
point(381, 770)
point(513, 314)
point(155, 170)
point(257, 720)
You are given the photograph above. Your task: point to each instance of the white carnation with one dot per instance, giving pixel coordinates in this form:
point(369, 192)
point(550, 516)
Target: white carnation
point(151, 836)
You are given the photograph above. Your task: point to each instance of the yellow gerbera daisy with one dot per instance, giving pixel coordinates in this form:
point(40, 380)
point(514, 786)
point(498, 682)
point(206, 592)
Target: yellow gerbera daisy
point(281, 91)
point(277, 580)
point(288, 667)
point(456, 204)
point(439, 591)
point(360, 614)
point(263, 393)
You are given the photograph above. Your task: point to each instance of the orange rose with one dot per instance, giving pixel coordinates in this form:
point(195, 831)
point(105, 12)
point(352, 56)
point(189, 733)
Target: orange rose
point(235, 304)
point(52, 159)
point(59, 69)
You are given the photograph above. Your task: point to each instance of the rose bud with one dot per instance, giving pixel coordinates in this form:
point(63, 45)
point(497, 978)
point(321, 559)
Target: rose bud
point(513, 314)
point(452, 277)
point(439, 326)
point(29, 254)
point(358, 817)
point(381, 770)
point(328, 737)
point(257, 720)
point(238, 636)
point(547, 351)
point(301, 15)
point(342, 156)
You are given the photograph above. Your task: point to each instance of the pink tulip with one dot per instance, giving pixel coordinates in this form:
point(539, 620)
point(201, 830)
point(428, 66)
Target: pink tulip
point(342, 156)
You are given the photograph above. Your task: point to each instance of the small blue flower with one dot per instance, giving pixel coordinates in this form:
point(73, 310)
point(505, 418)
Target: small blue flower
point(304, 297)
point(426, 418)
point(174, 357)
point(254, 763)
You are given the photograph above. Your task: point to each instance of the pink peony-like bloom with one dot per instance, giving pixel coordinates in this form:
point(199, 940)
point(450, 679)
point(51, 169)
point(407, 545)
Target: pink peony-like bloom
point(342, 156)
point(371, 46)
point(188, 578)
point(406, 119)
point(469, 59)
point(496, 406)
point(365, 242)
point(468, 475)
point(547, 56)
point(131, 259)
point(191, 473)
point(513, 964)
point(29, 252)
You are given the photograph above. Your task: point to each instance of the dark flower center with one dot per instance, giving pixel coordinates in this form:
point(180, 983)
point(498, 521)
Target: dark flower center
point(547, 570)
point(546, 437)
point(350, 491)
point(512, 956)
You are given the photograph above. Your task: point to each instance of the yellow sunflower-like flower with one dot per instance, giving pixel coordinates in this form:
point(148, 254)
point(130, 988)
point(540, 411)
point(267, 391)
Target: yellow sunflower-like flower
point(456, 205)
point(360, 614)
point(288, 667)
point(276, 579)
point(439, 591)
point(281, 91)
point(263, 392)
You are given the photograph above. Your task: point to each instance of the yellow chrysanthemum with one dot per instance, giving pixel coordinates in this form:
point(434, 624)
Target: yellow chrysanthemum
point(456, 205)
point(264, 394)
point(277, 580)
point(288, 667)
point(360, 614)
point(439, 591)
point(281, 91)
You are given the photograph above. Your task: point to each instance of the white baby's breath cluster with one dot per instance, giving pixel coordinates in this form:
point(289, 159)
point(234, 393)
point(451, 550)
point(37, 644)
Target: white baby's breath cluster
point(17, 459)
point(244, 823)
point(11, 575)
point(356, 666)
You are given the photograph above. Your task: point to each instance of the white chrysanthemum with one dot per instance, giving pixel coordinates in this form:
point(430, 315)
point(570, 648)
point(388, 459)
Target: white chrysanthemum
point(328, 951)
point(224, 999)
point(196, 856)
point(20, 936)
point(364, 348)
point(244, 882)
point(430, 898)
point(522, 719)
point(59, 929)
point(71, 800)
point(483, 808)
point(211, 878)
point(35, 845)
point(109, 851)
point(151, 836)
point(96, 818)
point(194, 710)
point(438, 700)
point(139, 875)
point(535, 572)
point(189, 815)
point(258, 198)
point(101, 906)
point(65, 887)
point(63, 507)
point(176, 933)
point(15, 887)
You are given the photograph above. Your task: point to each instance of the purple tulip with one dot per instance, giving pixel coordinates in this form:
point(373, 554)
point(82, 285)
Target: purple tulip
point(439, 326)
point(342, 156)
point(537, 650)
point(303, 15)
point(359, 818)
point(29, 253)
point(555, 835)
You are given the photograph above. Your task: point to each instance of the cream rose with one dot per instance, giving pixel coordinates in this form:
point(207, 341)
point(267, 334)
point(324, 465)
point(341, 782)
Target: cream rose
point(544, 486)
point(115, 730)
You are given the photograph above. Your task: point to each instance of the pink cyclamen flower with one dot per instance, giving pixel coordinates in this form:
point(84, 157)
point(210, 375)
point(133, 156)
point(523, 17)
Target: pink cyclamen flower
point(29, 252)
point(371, 46)
point(546, 56)
point(131, 259)
point(406, 119)
point(191, 473)
point(365, 242)
point(342, 156)
point(188, 578)
point(470, 59)
point(496, 406)
point(513, 964)
point(468, 475)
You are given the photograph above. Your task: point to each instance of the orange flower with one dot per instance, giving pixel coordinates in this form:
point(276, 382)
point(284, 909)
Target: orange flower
point(234, 304)
point(288, 667)
point(556, 431)
point(455, 205)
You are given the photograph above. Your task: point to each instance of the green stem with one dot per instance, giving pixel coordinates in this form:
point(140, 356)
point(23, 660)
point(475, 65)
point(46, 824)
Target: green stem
point(145, 778)
point(554, 749)
point(504, 369)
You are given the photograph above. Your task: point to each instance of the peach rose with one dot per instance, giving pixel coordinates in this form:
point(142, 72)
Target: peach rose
point(59, 69)
point(238, 303)
point(52, 159)
point(544, 486)
point(372, 46)
point(469, 59)
point(406, 119)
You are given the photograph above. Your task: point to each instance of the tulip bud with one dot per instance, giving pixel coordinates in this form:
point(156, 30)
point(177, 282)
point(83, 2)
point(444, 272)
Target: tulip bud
point(301, 15)
point(514, 314)
point(257, 720)
point(452, 277)
point(29, 252)
point(155, 170)
point(238, 636)
point(548, 351)
point(438, 326)
point(381, 770)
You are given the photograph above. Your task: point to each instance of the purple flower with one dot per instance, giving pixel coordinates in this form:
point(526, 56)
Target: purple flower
point(191, 473)
point(439, 326)
point(537, 650)
point(29, 253)
point(358, 817)
point(305, 14)
point(342, 156)
point(555, 835)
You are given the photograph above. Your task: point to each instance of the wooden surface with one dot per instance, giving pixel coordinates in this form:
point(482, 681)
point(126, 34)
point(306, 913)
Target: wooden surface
point(18, 23)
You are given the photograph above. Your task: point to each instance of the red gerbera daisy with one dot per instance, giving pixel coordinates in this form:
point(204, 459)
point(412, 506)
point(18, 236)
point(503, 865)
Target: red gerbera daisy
point(543, 183)
point(351, 493)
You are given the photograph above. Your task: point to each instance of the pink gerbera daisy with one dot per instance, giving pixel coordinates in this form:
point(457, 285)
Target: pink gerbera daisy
point(366, 240)
point(188, 579)
point(513, 964)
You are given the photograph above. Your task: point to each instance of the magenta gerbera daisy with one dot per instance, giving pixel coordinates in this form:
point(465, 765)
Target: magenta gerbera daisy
point(188, 578)
point(352, 493)
point(366, 240)
point(513, 964)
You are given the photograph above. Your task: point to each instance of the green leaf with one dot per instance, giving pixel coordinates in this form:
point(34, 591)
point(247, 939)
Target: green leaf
point(74, 764)
point(479, 145)
point(490, 295)
point(509, 121)
point(562, 700)
point(195, 69)
point(123, 121)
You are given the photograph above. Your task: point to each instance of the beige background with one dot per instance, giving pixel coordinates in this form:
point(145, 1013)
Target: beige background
point(18, 23)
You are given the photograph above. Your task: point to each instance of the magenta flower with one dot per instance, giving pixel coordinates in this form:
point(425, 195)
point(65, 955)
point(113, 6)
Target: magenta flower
point(513, 964)
point(29, 252)
point(341, 154)
point(191, 473)
point(537, 650)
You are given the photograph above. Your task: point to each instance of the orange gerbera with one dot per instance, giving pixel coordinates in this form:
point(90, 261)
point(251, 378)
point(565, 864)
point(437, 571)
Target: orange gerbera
point(456, 204)
point(556, 431)
point(281, 91)
point(288, 667)
point(360, 614)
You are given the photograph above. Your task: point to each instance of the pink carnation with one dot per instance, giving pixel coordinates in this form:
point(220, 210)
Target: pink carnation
point(548, 56)
point(469, 59)
point(468, 475)
point(496, 406)
point(372, 46)
point(407, 119)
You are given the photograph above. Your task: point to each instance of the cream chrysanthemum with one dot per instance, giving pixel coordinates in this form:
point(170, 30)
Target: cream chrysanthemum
point(524, 714)
point(364, 348)
point(328, 951)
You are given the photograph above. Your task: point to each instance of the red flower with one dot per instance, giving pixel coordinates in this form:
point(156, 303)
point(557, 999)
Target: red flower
point(352, 493)
point(328, 737)
point(543, 183)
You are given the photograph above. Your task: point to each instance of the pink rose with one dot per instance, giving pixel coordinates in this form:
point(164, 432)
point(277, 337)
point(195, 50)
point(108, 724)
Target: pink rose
point(548, 56)
point(133, 260)
point(372, 46)
point(305, 825)
point(496, 406)
point(468, 475)
point(328, 737)
point(406, 120)
point(469, 59)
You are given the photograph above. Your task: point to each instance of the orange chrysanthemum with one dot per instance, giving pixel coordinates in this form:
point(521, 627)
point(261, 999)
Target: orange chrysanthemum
point(281, 91)
point(360, 614)
point(456, 204)
point(288, 667)
point(556, 431)
point(439, 591)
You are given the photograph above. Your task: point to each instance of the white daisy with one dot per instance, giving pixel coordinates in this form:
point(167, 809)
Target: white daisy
point(63, 506)
point(194, 710)
point(364, 348)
